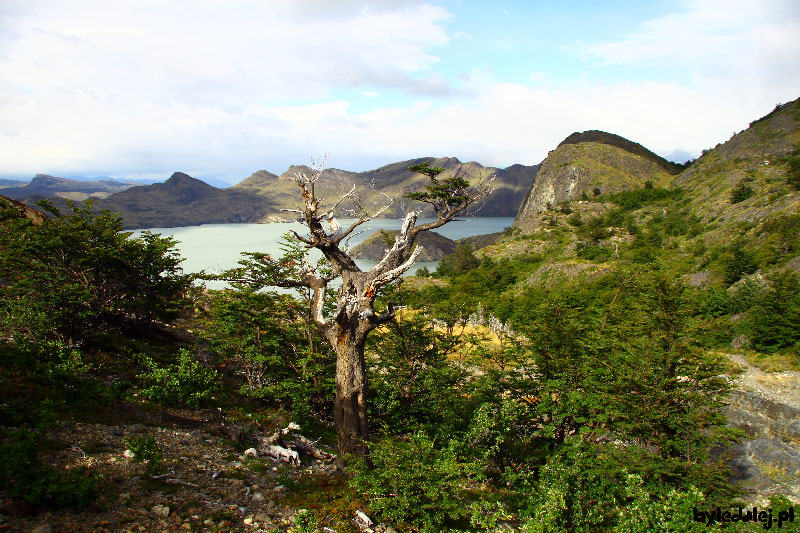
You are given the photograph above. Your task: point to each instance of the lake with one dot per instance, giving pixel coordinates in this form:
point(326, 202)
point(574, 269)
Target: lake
point(216, 247)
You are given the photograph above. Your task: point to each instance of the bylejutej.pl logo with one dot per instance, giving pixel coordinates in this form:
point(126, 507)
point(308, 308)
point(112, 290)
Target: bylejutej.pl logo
point(750, 515)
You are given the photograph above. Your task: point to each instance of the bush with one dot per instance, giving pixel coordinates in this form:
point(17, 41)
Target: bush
point(737, 262)
point(773, 320)
point(414, 484)
point(39, 485)
point(270, 340)
point(186, 382)
point(76, 275)
point(145, 450)
point(461, 260)
point(593, 252)
point(741, 192)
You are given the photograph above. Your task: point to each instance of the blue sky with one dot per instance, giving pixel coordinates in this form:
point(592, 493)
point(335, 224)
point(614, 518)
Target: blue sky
point(221, 89)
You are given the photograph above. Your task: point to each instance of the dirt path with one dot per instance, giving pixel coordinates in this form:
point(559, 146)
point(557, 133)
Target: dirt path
point(780, 387)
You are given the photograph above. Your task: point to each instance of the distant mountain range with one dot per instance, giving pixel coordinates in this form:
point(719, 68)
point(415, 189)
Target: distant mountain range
point(263, 197)
point(45, 186)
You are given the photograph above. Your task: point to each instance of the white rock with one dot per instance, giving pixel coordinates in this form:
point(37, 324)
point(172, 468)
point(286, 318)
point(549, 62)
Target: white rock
point(258, 497)
point(129, 454)
point(364, 518)
point(251, 452)
point(160, 510)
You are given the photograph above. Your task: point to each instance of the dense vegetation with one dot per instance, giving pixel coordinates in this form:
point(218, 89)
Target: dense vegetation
point(576, 387)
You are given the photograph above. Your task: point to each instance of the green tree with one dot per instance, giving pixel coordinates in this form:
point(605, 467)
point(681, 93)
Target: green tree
point(461, 260)
point(737, 262)
point(270, 340)
point(77, 274)
point(355, 316)
point(773, 320)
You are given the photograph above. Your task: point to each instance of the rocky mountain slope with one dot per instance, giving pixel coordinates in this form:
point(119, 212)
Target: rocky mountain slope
point(185, 201)
point(36, 216)
point(584, 169)
point(435, 246)
point(396, 181)
point(755, 159)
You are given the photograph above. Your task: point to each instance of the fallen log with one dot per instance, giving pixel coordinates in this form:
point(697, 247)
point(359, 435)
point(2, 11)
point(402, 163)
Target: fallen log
point(280, 446)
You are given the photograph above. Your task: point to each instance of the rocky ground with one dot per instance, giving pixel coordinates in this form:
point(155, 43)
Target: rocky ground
point(766, 407)
point(208, 483)
point(212, 481)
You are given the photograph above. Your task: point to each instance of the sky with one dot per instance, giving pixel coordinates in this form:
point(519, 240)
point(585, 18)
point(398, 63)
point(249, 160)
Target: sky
point(221, 88)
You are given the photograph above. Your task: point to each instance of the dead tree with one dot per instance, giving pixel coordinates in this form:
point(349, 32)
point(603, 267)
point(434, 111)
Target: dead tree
point(355, 315)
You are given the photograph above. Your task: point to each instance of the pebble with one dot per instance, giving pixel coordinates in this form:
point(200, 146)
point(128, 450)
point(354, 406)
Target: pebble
point(251, 452)
point(258, 497)
point(160, 510)
point(129, 454)
point(248, 521)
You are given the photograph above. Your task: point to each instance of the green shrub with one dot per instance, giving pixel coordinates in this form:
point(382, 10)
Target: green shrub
point(40, 485)
point(575, 220)
point(186, 382)
point(593, 252)
point(741, 192)
point(737, 262)
point(774, 318)
point(145, 450)
point(271, 342)
point(76, 275)
point(571, 495)
point(672, 513)
point(414, 484)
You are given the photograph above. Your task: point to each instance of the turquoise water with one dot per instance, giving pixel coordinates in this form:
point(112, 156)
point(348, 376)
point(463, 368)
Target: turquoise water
point(216, 247)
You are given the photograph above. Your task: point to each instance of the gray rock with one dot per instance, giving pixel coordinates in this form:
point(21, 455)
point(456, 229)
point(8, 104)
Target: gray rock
point(44, 528)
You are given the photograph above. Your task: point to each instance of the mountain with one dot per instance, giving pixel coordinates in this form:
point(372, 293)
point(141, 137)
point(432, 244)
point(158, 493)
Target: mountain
point(36, 216)
point(266, 197)
point(602, 137)
point(43, 185)
point(720, 241)
point(395, 181)
point(755, 159)
point(4, 183)
point(435, 246)
point(184, 201)
point(586, 165)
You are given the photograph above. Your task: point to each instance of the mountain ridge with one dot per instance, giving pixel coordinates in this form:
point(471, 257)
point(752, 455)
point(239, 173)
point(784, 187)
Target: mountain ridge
point(265, 197)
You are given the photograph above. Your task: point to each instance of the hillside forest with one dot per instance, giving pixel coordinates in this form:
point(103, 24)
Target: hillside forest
point(622, 358)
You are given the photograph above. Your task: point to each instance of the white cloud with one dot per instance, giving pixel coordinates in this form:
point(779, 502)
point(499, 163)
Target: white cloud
point(719, 45)
point(89, 83)
point(212, 87)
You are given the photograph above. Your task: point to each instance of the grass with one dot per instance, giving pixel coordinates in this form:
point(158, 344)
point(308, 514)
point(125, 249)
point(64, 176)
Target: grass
point(774, 362)
point(330, 499)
